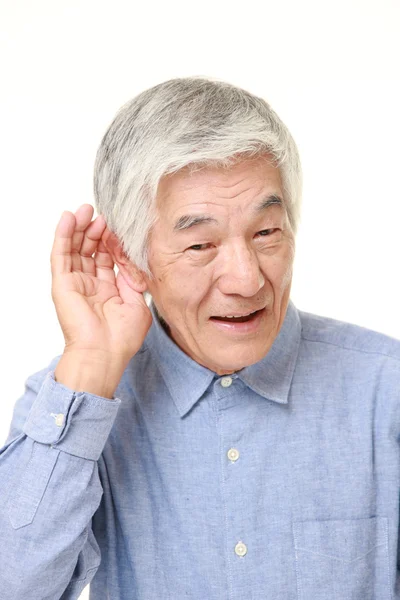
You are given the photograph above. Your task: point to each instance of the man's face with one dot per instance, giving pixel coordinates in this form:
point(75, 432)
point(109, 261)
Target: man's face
point(220, 249)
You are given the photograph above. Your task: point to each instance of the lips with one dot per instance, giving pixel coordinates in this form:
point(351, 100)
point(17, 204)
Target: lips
point(238, 318)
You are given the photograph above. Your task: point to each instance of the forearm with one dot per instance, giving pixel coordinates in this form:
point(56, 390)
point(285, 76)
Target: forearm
point(50, 490)
point(48, 499)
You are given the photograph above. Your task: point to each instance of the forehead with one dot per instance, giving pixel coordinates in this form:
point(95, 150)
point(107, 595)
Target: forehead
point(236, 188)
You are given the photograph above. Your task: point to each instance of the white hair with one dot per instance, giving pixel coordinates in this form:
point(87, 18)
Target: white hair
point(189, 122)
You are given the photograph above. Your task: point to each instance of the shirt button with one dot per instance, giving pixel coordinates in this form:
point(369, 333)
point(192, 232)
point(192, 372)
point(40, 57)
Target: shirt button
point(240, 549)
point(226, 381)
point(233, 454)
point(58, 419)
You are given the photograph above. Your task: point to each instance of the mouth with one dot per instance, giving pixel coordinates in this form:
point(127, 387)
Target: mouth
point(249, 324)
point(243, 318)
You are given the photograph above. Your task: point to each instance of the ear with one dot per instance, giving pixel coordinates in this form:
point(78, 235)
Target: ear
point(132, 274)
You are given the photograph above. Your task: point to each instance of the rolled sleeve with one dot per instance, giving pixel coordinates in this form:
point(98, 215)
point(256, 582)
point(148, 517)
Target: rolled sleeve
point(78, 423)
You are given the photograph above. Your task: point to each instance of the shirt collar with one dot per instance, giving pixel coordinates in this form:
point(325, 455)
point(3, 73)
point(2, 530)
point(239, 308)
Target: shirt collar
point(272, 376)
point(187, 380)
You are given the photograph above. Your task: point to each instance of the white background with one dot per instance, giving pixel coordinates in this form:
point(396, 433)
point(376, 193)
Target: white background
point(329, 69)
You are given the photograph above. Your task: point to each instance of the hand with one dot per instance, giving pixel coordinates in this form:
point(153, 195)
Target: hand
point(100, 314)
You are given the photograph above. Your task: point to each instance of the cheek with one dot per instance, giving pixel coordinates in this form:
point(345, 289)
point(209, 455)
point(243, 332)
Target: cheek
point(278, 269)
point(286, 271)
point(194, 290)
point(179, 289)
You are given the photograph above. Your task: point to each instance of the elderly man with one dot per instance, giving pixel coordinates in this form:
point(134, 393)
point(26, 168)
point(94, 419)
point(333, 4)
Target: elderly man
point(199, 437)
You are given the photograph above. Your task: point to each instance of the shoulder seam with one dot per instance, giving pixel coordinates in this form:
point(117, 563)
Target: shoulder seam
point(350, 348)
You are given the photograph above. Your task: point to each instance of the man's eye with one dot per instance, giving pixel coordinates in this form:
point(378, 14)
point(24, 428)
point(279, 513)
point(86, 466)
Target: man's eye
point(199, 247)
point(267, 232)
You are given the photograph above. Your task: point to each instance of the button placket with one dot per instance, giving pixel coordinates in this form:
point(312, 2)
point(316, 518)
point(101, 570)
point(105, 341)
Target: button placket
point(232, 455)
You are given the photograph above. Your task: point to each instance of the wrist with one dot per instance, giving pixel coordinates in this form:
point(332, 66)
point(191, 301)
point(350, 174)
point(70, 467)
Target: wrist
point(89, 372)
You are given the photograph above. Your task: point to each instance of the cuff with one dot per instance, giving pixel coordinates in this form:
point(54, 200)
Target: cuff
point(78, 423)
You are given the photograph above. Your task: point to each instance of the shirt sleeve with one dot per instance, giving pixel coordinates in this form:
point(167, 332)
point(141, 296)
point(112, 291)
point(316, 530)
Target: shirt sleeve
point(50, 489)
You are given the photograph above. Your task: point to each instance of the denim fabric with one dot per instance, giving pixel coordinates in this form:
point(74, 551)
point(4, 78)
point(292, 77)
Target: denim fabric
point(281, 483)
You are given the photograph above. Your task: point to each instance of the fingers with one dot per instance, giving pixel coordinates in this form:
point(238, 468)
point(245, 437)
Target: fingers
point(76, 239)
point(92, 244)
point(83, 218)
point(104, 264)
point(60, 259)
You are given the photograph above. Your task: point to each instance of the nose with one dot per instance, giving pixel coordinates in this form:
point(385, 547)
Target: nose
point(240, 272)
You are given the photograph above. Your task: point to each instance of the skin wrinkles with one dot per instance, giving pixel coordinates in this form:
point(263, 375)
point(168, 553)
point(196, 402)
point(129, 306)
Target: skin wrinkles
point(239, 271)
point(189, 221)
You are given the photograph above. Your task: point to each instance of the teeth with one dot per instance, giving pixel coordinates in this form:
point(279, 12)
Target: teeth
point(233, 316)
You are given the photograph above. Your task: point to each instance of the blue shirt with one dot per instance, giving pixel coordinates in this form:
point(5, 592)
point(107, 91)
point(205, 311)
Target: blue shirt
point(278, 482)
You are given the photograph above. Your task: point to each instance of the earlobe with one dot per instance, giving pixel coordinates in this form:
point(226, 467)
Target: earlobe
point(132, 274)
point(136, 278)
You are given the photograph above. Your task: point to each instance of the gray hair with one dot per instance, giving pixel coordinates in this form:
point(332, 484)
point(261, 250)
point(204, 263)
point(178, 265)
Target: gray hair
point(185, 122)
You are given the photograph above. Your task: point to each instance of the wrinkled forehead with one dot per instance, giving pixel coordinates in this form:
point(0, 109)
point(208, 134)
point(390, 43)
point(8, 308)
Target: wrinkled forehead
point(242, 187)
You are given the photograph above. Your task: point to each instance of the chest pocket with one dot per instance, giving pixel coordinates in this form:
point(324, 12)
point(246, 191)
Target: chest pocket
point(342, 559)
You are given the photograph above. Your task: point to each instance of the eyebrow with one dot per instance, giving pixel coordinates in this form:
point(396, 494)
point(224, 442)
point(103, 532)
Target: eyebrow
point(185, 222)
